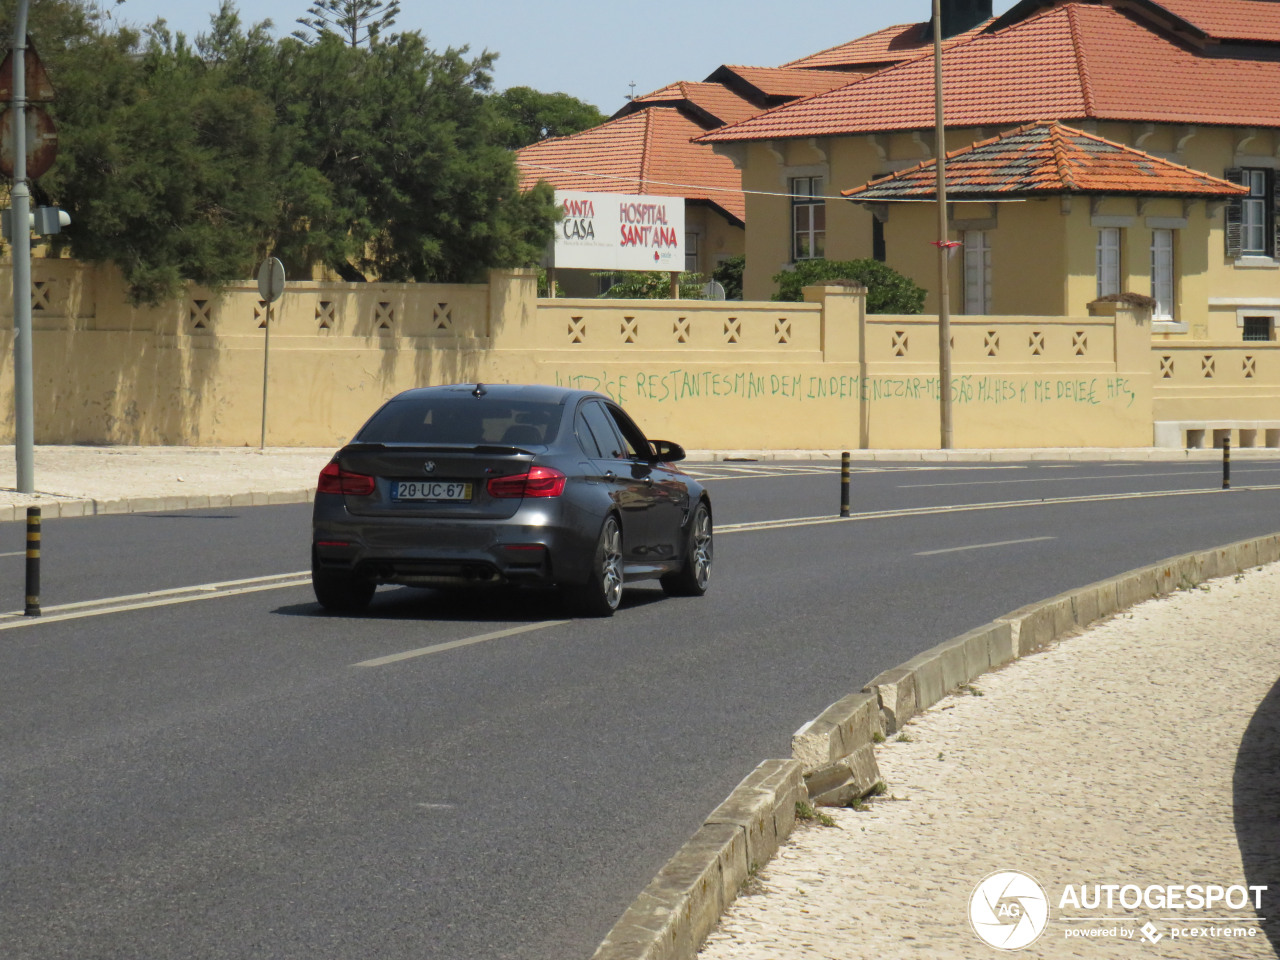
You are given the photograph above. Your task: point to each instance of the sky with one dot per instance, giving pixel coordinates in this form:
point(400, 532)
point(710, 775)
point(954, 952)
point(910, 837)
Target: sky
point(592, 50)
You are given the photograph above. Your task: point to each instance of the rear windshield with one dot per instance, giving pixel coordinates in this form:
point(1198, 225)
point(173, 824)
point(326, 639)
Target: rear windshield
point(464, 420)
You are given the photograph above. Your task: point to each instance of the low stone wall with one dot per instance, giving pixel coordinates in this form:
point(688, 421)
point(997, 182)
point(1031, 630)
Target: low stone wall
point(819, 375)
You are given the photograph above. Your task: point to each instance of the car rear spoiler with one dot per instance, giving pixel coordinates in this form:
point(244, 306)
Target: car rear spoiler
point(491, 449)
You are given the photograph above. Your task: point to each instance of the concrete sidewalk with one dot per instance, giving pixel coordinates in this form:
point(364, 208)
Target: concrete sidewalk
point(1143, 754)
point(85, 481)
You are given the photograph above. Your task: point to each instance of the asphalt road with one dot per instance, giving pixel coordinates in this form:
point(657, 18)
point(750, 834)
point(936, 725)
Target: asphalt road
point(246, 777)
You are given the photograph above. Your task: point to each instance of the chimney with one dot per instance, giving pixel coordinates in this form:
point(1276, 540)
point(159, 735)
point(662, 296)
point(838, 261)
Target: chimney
point(959, 16)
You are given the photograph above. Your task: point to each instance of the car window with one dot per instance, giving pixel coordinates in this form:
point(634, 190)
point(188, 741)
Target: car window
point(586, 439)
point(636, 445)
point(602, 429)
point(463, 420)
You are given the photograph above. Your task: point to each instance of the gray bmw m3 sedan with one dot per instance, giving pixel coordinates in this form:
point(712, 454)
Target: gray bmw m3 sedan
point(487, 484)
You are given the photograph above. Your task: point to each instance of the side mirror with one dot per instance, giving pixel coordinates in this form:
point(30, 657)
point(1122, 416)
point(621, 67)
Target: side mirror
point(664, 451)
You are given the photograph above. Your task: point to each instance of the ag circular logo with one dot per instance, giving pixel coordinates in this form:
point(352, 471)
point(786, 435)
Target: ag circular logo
point(1008, 910)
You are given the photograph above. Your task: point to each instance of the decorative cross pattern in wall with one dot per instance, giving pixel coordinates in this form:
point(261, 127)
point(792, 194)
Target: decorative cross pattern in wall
point(199, 314)
point(40, 293)
point(260, 314)
point(1166, 368)
point(1250, 368)
point(325, 317)
point(681, 329)
point(1208, 366)
point(629, 330)
point(782, 330)
point(384, 315)
point(1080, 343)
point(899, 343)
point(991, 343)
point(442, 318)
point(1036, 343)
point(732, 330)
point(577, 329)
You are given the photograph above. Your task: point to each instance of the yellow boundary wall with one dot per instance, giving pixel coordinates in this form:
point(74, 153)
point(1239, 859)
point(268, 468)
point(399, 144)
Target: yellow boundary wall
point(729, 375)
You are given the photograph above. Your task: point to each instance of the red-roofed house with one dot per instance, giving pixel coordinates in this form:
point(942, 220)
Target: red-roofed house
point(1194, 83)
point(650, 147)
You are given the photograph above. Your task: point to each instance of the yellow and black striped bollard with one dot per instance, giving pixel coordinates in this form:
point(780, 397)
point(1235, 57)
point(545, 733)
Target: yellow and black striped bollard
point(844, 484)
point(33, 562)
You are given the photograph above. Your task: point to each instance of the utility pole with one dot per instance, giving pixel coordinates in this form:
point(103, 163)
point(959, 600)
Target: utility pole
point(20, 204)
point(944, 285)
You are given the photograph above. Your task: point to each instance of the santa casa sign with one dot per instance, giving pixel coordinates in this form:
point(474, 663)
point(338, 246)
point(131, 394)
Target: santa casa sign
point(613, 231)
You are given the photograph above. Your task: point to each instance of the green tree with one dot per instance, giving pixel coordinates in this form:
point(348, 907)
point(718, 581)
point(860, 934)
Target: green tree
point(651, 285)
point(533, 115)
point(356, 21)
point(165, 165)
point(887, 290)
point(728, 273)
point(398, 167)
point(191, 162)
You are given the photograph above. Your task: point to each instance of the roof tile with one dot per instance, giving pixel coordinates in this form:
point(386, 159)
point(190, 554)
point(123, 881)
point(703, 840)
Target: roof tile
point(648, 152)
point(1046, 159)
point(1077, 60)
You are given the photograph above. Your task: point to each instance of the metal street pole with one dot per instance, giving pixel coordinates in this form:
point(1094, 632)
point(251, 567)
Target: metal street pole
point(944, 285)
point(20, 197)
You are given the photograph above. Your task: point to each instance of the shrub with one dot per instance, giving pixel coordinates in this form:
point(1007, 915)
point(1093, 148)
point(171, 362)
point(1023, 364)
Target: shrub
point(888, 291)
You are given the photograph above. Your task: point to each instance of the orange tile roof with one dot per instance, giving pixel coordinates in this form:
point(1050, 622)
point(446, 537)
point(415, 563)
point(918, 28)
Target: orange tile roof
point(1230, 19)
point(1074, 61)
point(771, 82)
point(647, 152)
point(1040, 159)
point(719, 104)
point(904, 41)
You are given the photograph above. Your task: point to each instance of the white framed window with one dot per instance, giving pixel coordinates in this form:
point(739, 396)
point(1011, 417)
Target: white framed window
point(808, 219)
point(1108, 261)
point(691, 253)
point(1162, 273)
point(1253, 215)
point(977, 272)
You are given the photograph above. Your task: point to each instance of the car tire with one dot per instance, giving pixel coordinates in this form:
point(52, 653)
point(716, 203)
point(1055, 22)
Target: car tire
point(694, 576)
point(602, 593)
point(340, 592)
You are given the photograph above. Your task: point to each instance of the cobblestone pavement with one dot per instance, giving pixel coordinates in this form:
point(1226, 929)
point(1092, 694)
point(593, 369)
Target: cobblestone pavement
point(1144, 751)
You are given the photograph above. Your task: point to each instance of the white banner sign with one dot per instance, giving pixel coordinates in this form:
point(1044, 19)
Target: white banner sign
point(613, 231)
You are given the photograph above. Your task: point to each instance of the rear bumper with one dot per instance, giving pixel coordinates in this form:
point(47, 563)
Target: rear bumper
point(533, 546)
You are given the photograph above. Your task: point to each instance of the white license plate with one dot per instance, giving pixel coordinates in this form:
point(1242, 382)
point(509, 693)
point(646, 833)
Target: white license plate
point(430, 490)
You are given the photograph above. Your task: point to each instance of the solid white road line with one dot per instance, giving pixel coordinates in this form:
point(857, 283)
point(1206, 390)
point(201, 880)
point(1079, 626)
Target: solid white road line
point(1113, 476)
point(155, 598)
point(968, 507)
point(982, 546)
point(454, 644)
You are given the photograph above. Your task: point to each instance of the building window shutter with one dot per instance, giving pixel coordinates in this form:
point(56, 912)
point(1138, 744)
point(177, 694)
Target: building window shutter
point(1275, 213)
point(1235, 217)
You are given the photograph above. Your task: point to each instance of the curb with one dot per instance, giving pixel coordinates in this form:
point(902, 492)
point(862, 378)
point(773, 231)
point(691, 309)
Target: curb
point(64, 509)
point(833, 756)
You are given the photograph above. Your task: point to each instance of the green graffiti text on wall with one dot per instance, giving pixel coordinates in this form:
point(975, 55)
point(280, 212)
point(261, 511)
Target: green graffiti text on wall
point(682, 386)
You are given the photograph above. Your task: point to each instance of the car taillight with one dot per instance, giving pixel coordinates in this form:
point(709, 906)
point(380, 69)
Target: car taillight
point(333, 479)
point(538, 482)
